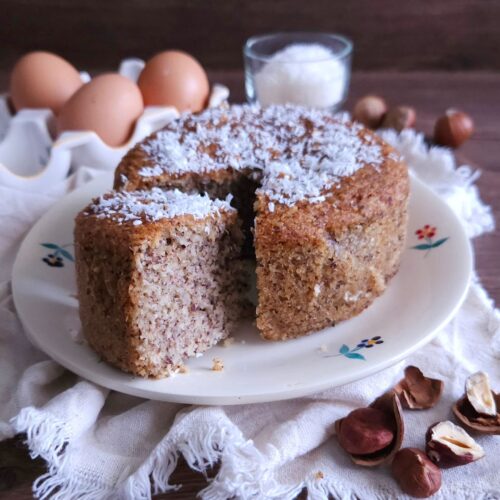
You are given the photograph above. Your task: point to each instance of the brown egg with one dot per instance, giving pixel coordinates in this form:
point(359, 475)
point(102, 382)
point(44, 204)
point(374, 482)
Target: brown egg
point(109, 105)
point(174, 78)
point(43, 80)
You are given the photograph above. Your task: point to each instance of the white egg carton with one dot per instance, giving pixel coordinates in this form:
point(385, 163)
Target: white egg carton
point(32, 161)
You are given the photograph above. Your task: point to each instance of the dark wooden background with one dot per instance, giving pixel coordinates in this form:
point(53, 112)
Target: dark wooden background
point(389, 34)
point(431, 54)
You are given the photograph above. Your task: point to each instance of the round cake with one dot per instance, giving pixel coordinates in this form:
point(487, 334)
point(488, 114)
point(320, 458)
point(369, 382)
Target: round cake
point(325, 200)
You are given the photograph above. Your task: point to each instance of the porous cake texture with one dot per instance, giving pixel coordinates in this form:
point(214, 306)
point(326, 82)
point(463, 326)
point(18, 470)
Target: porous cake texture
point(330, 209)
point(322, 263)
point(159, 277)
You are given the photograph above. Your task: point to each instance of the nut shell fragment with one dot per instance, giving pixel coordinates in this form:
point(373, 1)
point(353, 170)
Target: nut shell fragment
point(389, 404)
point(473, 421)
point(478, 409)
point(418, 392)
point(448, 445)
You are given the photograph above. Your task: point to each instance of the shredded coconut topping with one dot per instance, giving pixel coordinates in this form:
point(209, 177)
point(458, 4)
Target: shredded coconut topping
point(151, 206)
point(298, 153)
point(305, 73)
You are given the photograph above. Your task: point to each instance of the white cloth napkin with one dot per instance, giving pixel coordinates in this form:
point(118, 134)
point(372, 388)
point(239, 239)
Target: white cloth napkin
point(100, 444)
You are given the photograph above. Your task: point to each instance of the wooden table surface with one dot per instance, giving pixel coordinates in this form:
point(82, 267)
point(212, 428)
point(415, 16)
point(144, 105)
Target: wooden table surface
point(477, 93)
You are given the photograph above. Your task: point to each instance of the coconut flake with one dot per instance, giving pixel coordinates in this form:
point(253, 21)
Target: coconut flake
point(296, 153)
point(308, 74)
point(138, 207)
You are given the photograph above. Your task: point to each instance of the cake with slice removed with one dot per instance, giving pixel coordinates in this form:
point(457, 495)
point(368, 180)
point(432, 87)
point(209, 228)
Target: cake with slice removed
point(329, 200)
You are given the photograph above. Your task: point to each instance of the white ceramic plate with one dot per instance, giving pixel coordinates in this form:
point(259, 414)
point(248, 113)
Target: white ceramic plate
point(423, 296)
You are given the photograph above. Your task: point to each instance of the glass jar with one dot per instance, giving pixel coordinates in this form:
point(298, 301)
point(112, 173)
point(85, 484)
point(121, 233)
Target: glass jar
point(309, 69)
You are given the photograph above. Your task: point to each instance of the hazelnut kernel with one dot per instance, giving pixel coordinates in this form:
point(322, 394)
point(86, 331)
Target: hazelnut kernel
point(415, 473)
point(453, 128)
point(480, 395)
point(365, 431)
point(478, 409)
point(370, 111)
point(448, 445)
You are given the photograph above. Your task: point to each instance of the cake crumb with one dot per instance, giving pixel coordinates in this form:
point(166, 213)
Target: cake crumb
point(319, 475)
point(353, 297)
point(323, 348)
point(217, 365)
point(228, 342)
point(183, 369)
point(76, 335)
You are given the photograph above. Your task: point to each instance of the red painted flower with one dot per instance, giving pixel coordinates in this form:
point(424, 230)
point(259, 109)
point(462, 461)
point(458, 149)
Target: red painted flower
point(427, 232)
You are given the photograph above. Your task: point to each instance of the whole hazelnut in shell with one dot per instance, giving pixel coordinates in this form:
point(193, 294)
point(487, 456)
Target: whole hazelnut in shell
point(399, 118)
point(453, 128)
point(415, 473)
point(370, 111)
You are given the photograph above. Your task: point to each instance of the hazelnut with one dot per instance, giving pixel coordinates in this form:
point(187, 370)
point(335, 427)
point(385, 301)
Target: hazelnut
point(478, 409)
point(373, 436)
point(418, 392)
point(448, 445)
point(399, 118)
point(365, 431)
point(453, 129)
point(416, 474)
point(370, 111)
point(477, 388)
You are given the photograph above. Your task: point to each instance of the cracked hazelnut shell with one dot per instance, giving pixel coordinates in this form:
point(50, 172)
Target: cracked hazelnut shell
point(474, 421)
point(418, 392)
point(478, 396)
point(448, 445)
point(415, 473)
point(389, 405)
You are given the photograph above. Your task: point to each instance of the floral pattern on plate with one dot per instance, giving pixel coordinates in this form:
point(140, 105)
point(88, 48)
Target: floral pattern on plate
point(427, 233)
point(353, 353)
point(58, 254)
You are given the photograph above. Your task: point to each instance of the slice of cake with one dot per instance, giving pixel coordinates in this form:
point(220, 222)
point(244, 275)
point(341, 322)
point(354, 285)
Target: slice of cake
point(159, 277)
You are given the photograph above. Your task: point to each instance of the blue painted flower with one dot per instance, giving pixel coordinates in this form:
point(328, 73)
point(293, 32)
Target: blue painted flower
point(363, 344)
